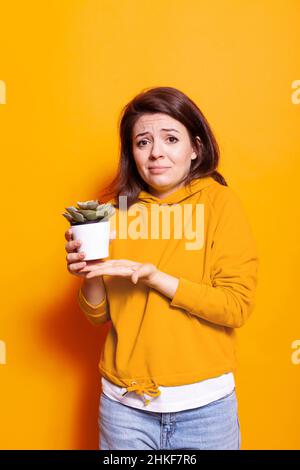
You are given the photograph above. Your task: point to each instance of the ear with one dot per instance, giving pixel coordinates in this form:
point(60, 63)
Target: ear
point(196, 152)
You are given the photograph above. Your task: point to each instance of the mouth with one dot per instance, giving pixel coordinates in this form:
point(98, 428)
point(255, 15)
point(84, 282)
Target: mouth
point(158, 169)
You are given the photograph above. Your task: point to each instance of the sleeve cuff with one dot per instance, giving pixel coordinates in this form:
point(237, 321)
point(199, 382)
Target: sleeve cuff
point(90, 309)
point(186, 296)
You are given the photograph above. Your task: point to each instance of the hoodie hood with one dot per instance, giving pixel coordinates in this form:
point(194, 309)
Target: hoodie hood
point(179, 195)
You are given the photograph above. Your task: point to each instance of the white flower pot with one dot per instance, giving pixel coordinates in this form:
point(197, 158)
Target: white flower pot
point(94, 239)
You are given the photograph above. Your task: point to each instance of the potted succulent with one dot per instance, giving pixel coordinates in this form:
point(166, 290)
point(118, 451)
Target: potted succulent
point(90, 223)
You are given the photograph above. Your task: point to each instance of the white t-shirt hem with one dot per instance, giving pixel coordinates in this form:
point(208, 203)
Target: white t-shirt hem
point(174, 399)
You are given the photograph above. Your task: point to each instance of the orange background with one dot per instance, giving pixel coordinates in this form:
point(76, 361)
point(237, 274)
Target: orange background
point(69, 67)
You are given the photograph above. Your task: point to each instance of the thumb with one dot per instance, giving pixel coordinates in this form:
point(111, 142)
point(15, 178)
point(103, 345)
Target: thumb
point(135, 275)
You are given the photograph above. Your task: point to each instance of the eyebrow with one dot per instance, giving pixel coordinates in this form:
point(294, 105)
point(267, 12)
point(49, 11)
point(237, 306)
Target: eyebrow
point(147, 132)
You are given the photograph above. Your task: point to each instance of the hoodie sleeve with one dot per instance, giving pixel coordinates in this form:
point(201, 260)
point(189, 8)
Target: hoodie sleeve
point(96, 314)
point(230, 298)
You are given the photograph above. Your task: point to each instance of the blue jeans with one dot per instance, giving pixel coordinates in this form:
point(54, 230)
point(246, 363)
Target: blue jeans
point(214, 426)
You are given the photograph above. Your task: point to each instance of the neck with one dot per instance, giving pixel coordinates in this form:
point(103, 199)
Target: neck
point(162, 194)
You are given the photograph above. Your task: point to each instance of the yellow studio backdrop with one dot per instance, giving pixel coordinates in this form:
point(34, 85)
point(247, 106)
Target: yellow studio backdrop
point(66, 70)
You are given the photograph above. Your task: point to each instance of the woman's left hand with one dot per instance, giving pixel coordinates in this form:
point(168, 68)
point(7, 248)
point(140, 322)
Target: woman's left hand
point(123, 268)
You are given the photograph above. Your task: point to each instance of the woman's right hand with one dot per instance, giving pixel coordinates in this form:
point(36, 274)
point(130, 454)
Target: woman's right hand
point(75, 260)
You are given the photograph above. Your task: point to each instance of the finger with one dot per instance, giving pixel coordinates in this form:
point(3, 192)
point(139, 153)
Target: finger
point(71, 257)
point(68, 234)
point(94, 267)
point(112, 263)
point(73, 267)
point(140, 272)
point(72, 246)
point(95, 262)
point(135, 277)
point(123, 262)
point(110, 271)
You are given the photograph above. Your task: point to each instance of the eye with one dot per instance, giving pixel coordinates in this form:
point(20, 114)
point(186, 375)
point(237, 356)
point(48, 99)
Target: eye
point(144, 140)
point(138, 144)
point(172, 137)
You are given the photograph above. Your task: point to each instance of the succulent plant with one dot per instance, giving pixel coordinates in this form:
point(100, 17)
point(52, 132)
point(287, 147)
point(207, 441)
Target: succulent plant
point(88, 212)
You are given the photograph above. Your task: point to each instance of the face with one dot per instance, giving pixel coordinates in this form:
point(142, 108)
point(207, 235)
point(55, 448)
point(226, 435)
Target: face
point(162, 151)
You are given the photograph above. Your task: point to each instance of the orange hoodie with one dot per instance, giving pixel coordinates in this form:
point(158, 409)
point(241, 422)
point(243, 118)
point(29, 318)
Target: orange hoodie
point(154, 340)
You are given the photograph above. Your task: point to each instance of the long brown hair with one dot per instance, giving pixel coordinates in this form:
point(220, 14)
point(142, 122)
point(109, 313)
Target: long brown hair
point(166, 100)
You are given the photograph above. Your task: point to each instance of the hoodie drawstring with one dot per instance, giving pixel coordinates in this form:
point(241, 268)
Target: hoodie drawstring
point(139, 389)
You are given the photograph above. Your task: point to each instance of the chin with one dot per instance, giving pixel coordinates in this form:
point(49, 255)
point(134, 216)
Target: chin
point(158, 181)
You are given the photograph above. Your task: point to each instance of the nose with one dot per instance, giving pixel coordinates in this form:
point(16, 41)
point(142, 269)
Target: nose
point(156, 151)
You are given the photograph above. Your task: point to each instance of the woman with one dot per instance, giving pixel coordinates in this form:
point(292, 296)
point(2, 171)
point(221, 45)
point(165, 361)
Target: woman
point(180, 278)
